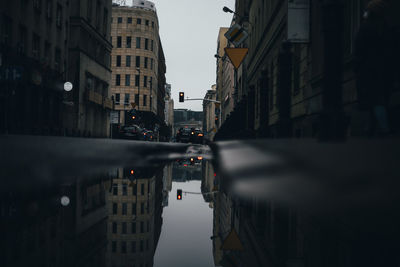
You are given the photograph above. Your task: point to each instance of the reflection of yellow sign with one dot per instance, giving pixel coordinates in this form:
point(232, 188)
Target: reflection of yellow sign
point(232, 242)
point(236, 55)
point(214, 130)
point(133, 105)
point(217, 105)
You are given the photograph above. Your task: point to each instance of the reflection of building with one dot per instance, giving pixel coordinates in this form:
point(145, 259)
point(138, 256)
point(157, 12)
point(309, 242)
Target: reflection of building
point(42, 232)
point(134, 217)
point(207, 182)
point(169, 106)
point(182, 173)
point(167, 183)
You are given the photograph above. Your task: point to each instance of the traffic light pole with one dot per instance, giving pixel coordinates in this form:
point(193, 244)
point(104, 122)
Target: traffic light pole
point(202, 99)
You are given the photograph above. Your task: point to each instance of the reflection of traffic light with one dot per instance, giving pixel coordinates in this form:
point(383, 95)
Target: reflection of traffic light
point(181, 97)
point(179, 194)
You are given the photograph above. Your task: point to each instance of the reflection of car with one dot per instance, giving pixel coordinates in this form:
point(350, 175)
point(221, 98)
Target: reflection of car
point(133, 132)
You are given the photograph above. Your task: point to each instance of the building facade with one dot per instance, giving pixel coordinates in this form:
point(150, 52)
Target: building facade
point(138, 63)
point(33, 66)
point(298, 88)
point(210, 117)
point(89, 69)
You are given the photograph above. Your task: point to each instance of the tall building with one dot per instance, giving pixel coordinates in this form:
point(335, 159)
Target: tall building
point(169, 106)
point(211, 117)
point(221, 44)
point(89, 69)
point(138, 63)
point(33, 66)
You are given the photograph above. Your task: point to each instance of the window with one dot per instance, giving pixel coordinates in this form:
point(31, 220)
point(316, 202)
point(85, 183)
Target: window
point(127, 80)
point(117, 100)
point(36, 46)
point(124, 207)
point(133, 246)
point(37, 5)
point(115, 186)
point(142, 189)
point(114, 228)
point(114, 246)
point(136, 98)
point(141, 245)
point(146, 44)
point(124, 228)
point(133, 209)
point(133, 228)
point(147, 244)
point(128, 61)
point(151, 63)
point(105, 21)
point(151, 87)
point(123, 247)
point(137, 80)
point(22, 40)
point(134, 189)
point(141, 208)
point(49, 10)
point(129, 21)
point(144, 100)
point(145, 81)
point(119, 20)
point(152, 45)
point(119, 41)
point(128, 42)
point(138, 42)
point(146, 61)
point(115, 208)
point(98, 13)
point(139, 21)
point(126, 101)
point(59, 14)
point(147, 22)
point(89, 10)
point(124, 189)
point(118, 79)
point(152, 24)
point(118, 61)
point(148, 226)
point(137, 61)
point(141, 227)
point(57, 59)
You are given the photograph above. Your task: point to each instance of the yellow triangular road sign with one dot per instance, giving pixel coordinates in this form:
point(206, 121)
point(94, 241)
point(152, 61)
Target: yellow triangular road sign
point(232, 242)
point(236, 55)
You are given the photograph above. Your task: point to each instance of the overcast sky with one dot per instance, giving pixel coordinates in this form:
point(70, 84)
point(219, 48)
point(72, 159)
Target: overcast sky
point(189, 30)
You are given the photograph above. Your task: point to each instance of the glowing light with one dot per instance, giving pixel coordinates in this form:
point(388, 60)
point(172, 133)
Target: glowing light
point(215, 174)
point(179, 197)
point(199, 157)
point(132, 172)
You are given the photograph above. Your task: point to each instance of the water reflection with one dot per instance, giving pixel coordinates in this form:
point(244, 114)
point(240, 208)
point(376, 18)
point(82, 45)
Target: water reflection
point(134, 206)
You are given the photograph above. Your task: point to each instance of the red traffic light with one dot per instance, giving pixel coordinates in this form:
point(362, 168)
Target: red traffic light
point(179, 194)
point(181, 97)
point(132, 172)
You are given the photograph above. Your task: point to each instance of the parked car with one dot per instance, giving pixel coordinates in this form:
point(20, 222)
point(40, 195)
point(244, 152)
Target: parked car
point(148, 135)
point(132, 132)
point(183, 135)
point(196, 136)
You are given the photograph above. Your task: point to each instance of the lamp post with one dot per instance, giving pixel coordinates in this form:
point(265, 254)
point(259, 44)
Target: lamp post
point(138, 103)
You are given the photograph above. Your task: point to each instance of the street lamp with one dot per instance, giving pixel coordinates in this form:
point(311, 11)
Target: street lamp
point(138, 69)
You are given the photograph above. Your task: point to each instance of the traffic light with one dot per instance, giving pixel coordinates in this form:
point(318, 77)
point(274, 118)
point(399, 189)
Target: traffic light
point(179, 194)
point(181, 97)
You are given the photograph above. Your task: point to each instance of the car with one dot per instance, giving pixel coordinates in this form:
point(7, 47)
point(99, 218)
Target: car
point(183, 135)
point(148, 135)
point(132, 132)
